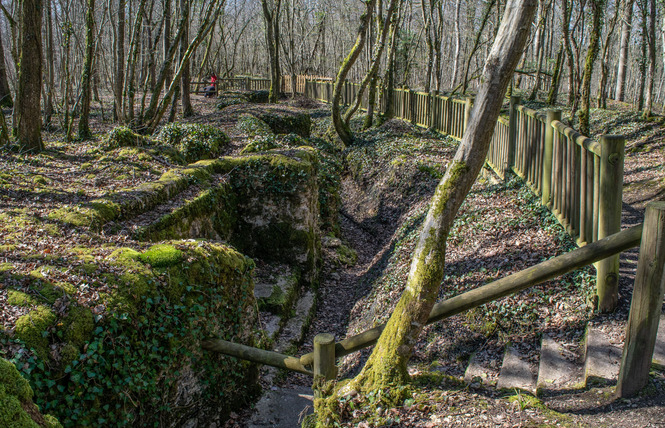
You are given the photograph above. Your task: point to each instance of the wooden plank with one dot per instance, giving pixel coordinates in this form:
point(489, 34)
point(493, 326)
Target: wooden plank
point(646, 304)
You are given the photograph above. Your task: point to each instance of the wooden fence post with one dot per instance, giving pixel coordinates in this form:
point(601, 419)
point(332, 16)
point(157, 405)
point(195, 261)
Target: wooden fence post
point(552, 115)
point(247, 84)
point(412, 107)
point(324, 356)
point(468, 105)
point(512, 131)
point(609, 217)
point(646, 304)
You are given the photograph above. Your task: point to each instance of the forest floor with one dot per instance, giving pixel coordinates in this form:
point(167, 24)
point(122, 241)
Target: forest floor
point(394, 169)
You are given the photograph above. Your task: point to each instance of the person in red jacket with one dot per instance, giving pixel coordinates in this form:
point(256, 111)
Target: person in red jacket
point(212, 89)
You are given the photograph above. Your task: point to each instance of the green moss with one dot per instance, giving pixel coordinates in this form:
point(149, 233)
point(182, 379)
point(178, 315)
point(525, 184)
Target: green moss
point(161, 255)
point(16, 407)
point(39, 179)
point(31, 328)
point(13, 382)
point(78, 325)
point(6, 248)
point(89, 268)
point(19, 298)
point(346, 256)
point(260, 144)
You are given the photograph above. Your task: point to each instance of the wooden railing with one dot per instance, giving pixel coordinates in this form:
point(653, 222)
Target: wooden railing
point(641, 329)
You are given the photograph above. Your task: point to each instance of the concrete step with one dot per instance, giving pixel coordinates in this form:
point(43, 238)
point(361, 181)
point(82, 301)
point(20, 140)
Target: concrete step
point(516, 372)
point(276, 288)
point(659, 350)
point(602, 359)
point(282, 408)
point(295, 328)
point(559, 370)
point(477, 375)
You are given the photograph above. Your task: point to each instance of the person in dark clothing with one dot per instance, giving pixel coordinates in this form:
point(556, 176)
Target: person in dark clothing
point(211, 90)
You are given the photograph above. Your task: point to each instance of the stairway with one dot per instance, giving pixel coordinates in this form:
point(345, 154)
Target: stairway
point(559, 370)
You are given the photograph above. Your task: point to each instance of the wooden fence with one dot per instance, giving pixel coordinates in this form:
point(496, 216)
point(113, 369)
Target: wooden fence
point(580, 180)
point(641, 329)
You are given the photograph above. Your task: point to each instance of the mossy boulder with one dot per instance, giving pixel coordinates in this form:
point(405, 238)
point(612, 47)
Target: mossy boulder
point(122, 136)
point(231, 98)
point(252, 126)
point(261, 144)
point(16, 407)
point(260, 96)
point(31, 329)
point(194, 141)
point(286, 121)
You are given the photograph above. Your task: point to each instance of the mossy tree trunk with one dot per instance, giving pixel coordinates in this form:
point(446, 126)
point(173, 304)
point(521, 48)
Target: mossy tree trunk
point(28, 122)
point(598, 9)
point(5, 93)
point(566, 6)
point(387, 364)
point(383, 27)
point(556, 78)
point(389, 79)
point(339, 125)
point(271, 11)
point(86, 78)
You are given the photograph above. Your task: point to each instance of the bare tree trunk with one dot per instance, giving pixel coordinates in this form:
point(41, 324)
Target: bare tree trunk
point(476, 44)
point(643, 57)
point(386, 367)
point(565, 26)
point(626, 28)
point(129, 90)
point(458, 43)
point(389, 79)
point(646, 113)
point(592, 53)
point(604, 67)
point(28, 95)
point(120, 61)
point(50, 61)
point(271, 18)
point(167, 37)
point(86, 78)
point(187, 109)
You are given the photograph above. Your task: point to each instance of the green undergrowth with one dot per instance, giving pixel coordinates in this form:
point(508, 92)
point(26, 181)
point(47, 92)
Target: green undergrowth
point(125, 367)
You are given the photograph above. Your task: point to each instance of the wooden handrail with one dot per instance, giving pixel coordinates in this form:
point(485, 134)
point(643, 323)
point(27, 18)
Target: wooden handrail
point(511, 284)
point(256, 355)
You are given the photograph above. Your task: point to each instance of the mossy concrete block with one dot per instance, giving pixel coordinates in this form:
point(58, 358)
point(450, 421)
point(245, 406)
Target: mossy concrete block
point(278, 209)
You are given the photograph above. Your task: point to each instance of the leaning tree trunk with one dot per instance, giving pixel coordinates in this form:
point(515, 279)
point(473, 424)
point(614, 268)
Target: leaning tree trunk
point(566, 5)
point(343, 131)
point(626, 27)
point(28, 95)
point(387, 364)
point(376, 60)
point(86, 78)
point(592, 53)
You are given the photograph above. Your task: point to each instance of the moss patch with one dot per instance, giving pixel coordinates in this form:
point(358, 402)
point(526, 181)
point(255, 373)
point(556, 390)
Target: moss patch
point(161, 255)
point(31, 328)
point(16, 407)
